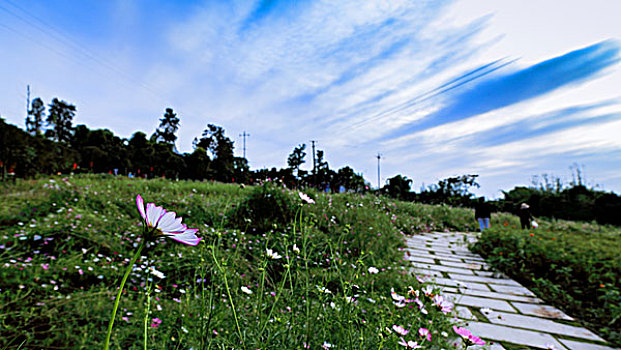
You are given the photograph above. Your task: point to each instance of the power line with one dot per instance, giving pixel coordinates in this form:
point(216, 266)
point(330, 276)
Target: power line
point(57, 35)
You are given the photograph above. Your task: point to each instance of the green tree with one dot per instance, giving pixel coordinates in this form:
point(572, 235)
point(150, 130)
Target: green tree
point(60, 118)
point(296, 158)
point(351, 181)
point(34, 121)
point(197, 164)
point(214, 141)
point(241, 170)
point(398, 187)
point(169, 124)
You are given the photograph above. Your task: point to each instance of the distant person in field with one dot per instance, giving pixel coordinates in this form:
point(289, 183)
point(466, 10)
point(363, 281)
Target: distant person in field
point(482, 212)
point(525, 217)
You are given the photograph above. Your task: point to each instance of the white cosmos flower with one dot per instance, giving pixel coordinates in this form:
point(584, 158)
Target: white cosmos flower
point(395, 296)
point(246, 290)
point(156, 273)
point(373, 270)
point(273, 255)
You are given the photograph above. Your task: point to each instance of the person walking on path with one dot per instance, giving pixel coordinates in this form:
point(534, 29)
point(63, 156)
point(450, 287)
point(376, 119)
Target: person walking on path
point(482, 212)
point(525, 217)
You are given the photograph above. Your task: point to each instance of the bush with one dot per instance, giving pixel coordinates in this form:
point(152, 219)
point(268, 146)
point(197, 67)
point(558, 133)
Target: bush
point(575, 267)
point(267, 207)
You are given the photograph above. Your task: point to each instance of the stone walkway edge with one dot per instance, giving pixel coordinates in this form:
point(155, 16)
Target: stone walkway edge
point(493, 306)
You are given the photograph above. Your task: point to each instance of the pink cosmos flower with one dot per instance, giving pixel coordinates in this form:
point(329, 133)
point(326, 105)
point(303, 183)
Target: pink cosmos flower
point(306, 198)
point(444, 305)
point(400, 330)
point(468, 337)
point(424, 332)
point(166, 224)
point(409, 344)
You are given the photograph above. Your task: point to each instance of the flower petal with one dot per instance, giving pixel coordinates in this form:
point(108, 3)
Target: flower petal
point(188, 237)
point(175, 227)
point(154, 213)
point(140, 204)
point(167, 222)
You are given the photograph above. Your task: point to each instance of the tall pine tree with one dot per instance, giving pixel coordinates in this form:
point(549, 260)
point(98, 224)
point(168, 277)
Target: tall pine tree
point(169, 124)
point(60, 118)
point(34, 121)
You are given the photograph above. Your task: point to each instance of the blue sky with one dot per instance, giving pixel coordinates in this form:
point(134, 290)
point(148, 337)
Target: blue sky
point(506, 90)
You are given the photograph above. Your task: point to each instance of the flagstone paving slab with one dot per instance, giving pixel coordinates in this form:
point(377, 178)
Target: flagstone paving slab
point(468, 300)
point(490, 346)
point(440, 248)
point(420, 260)
point(513, 314)
point(448, 258)
point(473, 261)
point(512, 290)
point(465, 285)
point(443, 268)
point(467, 259)
point(513, 335)
point(462, 265)
point(541, 310)
point(575, 345)
point(427, 272)
point(421, 252)
point(480, 279)
point(464, 313)
point(536, 323)
point(495, 295)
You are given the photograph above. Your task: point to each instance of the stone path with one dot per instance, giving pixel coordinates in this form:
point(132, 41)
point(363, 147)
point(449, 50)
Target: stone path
point(493, 306)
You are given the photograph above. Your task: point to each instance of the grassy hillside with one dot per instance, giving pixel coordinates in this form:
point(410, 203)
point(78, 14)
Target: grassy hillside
point(65, 243)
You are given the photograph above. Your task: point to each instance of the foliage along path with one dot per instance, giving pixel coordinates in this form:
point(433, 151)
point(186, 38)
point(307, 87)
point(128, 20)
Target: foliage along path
point(491, 305)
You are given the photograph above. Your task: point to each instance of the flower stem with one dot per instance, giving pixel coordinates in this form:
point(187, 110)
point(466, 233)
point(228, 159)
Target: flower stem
point(148, 307)
point(228, 292)
point(118, 295)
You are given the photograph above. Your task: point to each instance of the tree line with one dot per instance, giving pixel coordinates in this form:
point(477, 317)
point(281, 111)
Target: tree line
point(52, 144)
point(549, 197)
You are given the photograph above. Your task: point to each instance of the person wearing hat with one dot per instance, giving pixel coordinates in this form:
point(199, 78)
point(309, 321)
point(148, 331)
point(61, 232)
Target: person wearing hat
point(525, 216)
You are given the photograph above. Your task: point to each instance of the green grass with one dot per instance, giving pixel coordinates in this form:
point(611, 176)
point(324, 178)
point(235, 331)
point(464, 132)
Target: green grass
point(64, 246)
point(575, 266)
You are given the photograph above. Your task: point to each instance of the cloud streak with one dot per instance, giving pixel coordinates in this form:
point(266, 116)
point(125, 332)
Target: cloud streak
point(507, 89)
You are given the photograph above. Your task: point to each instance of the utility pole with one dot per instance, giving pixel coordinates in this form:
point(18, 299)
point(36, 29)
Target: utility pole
point(244, 138)
point(27, 100)
point(314, 173)
point(379, 156)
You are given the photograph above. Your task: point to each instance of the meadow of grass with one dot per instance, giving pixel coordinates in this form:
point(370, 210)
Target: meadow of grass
point(575, 266)
point(324, 275)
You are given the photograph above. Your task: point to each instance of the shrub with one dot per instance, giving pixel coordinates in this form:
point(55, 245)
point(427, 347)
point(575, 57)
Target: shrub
point(576, 267)
point(266, 208)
